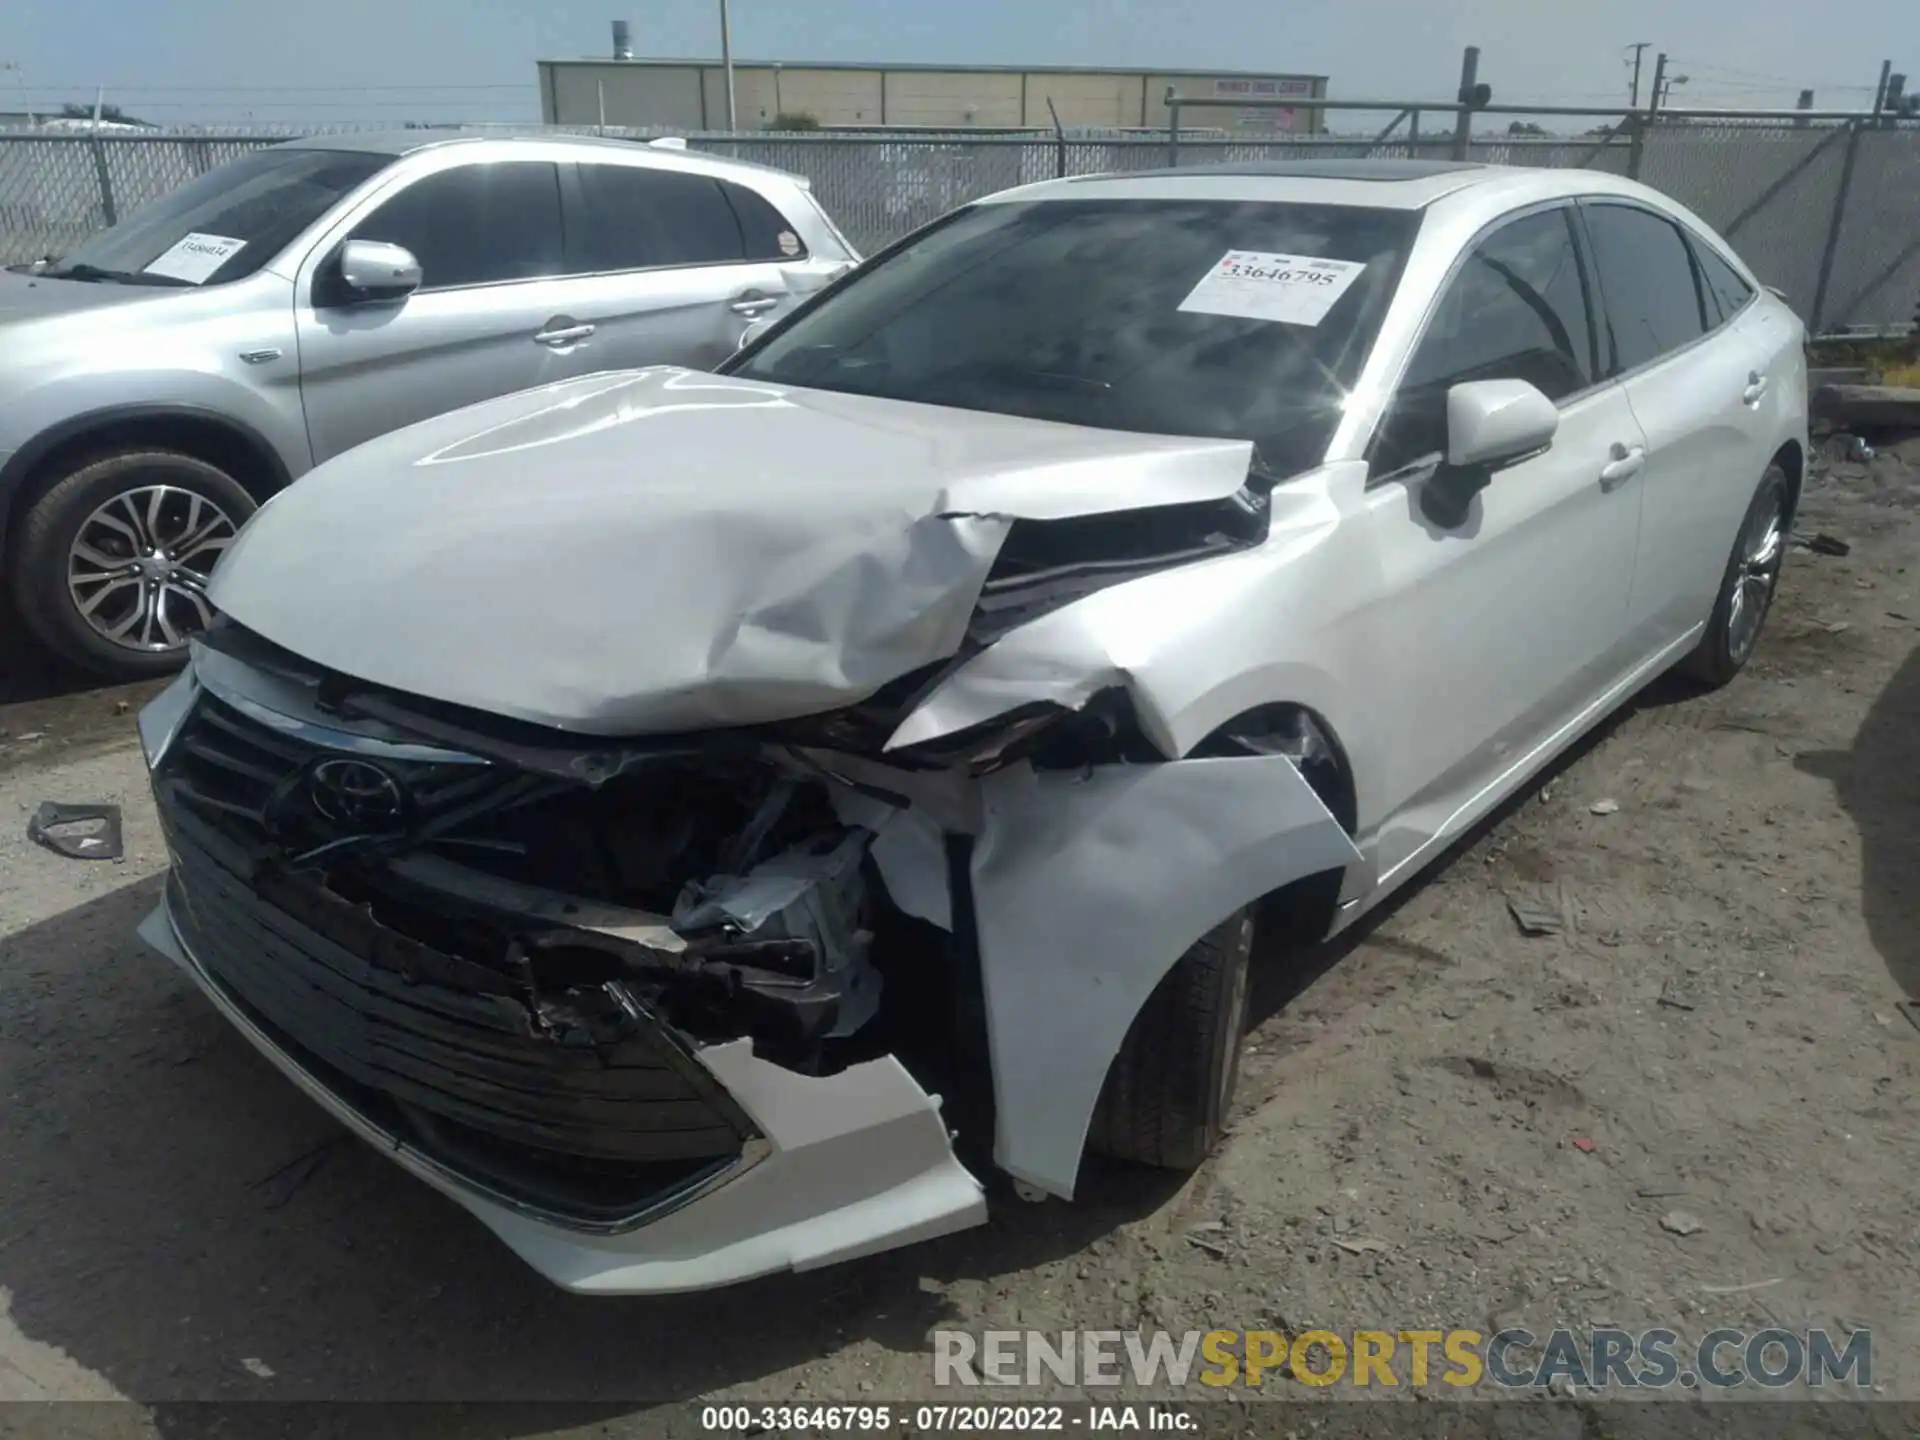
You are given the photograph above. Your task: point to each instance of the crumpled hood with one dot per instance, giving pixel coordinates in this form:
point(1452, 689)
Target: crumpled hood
point(661, 549)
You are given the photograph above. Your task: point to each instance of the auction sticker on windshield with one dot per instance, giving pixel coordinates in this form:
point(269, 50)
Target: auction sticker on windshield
point(194, 257)
point(1259, 285)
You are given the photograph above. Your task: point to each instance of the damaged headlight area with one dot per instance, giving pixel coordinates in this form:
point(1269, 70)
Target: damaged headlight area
point(514, 971)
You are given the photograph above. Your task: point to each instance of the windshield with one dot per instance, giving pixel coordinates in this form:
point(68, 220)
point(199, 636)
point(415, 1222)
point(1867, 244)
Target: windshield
point(1225, 319)
point(224, 225)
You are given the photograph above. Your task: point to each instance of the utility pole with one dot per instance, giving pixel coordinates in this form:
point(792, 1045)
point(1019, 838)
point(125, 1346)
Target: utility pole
point(1636, 48)
point(1463, 124)
point(1659, 79)
point(726, 64)
point(1880, 90)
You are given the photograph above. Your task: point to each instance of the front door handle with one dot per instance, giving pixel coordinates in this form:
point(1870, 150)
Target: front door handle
point(562, 330)
point(751, 304)
point(1756, 387)
point(1627, 462)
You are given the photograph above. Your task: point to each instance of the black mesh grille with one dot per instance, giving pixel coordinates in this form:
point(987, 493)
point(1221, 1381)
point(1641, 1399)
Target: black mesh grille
point(244, 774)
point(444, 1051)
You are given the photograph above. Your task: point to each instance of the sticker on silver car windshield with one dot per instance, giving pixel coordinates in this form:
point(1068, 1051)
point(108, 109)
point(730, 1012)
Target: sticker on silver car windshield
point(789, 243)
point(1260, 285)
point(194, 257)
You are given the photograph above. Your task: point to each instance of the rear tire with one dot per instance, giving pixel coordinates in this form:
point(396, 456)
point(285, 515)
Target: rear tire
point(1747, 586)
point(93, 497)
point(1168, 1091)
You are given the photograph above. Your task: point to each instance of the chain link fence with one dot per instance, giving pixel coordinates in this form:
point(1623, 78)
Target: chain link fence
point(1828, 212)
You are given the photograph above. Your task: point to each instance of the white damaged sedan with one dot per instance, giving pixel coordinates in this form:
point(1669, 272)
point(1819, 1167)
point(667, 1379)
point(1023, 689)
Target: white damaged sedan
point(706, 824)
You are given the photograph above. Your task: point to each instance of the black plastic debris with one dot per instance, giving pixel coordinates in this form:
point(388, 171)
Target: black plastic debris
point(1823, 544)
point(79, 832)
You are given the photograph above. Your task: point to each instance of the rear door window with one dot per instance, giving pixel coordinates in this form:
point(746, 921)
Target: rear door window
point(1653, 303)
point(636, 218)
point(477, 224)
point(767, 233)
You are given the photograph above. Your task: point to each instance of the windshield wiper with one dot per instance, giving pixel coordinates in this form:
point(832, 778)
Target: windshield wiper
point(87, 272)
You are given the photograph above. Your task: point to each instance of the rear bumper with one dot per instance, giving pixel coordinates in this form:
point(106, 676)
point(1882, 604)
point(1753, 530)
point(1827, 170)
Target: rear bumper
point(846, 1165)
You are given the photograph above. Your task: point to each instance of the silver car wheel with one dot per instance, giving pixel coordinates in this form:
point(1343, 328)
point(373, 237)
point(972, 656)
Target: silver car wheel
point(138, 567)
point(1763, 545)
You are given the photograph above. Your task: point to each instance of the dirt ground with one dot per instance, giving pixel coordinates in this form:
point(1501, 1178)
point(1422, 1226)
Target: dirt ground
point(1720, 1016)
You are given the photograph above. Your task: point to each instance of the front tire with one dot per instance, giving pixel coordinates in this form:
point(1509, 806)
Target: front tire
point(1168, 1091)
point(112, 561)
point(1746, 587)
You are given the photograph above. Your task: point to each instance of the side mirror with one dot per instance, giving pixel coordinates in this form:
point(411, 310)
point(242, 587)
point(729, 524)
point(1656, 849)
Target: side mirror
point(375, 270)
point(1495, 423)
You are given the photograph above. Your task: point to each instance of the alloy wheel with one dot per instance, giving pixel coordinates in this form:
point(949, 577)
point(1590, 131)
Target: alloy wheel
point(1763, 545)
point(139, 566)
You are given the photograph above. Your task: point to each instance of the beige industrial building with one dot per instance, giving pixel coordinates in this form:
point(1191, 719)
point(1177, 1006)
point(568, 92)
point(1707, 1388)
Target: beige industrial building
point(692, 95)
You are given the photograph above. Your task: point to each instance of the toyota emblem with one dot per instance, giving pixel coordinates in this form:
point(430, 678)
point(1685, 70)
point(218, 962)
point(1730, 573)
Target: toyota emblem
point(357, 795)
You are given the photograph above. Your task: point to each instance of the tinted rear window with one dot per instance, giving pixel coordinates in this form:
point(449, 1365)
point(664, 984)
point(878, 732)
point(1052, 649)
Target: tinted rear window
point(1646, 280)
point(638, 217)
point(1073, 311)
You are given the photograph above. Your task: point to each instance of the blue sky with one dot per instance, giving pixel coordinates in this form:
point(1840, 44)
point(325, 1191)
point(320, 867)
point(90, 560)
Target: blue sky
point(297, 61)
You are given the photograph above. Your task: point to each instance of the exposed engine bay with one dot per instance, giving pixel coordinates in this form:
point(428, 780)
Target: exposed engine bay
point(723, 893)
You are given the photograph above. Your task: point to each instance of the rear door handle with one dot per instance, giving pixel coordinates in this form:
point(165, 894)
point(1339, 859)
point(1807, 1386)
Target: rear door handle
point(561, 330)
point(1756, 387)
point(751, 304)
point(1627, 462)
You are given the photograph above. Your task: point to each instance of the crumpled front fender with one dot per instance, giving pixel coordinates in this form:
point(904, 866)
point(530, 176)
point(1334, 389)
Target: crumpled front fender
point(1088, 887)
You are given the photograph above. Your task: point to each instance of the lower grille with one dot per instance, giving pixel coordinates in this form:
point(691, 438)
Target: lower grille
point(583, 1130)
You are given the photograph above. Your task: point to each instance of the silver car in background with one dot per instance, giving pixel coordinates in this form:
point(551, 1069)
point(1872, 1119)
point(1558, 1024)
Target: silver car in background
point(167, 376)
point(916, 724)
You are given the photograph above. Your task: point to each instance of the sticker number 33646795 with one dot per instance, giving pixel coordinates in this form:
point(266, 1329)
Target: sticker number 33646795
point(1262, 285)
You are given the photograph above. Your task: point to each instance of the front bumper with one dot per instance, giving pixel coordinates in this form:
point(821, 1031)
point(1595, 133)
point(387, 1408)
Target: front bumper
point(845, 1165)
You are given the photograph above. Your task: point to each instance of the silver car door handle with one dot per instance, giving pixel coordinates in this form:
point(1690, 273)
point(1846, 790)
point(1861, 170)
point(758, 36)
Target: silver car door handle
point(1627, 462)
point(1756, 387)
point(753, 304)
point(565, 335)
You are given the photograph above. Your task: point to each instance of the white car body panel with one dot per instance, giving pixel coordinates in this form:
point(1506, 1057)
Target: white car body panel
point(1449, 661)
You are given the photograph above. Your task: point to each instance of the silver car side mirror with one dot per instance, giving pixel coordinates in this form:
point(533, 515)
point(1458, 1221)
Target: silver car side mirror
point(376, 270)
point(1491, 423)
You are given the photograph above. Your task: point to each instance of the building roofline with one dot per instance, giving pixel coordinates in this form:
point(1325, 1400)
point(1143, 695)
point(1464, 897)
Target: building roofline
point(695, 63)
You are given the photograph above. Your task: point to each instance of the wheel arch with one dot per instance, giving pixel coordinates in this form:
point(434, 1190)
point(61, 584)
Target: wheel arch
point(1792, 458)
point(1330, 775)
point(204, 433)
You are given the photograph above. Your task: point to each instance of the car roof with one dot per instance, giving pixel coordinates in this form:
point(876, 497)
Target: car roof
point(409, 142)
point(1379, 184)
point(1351, 169)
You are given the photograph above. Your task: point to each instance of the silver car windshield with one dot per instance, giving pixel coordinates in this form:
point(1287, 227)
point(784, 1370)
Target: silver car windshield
point(1095, 313)
point(224, 225)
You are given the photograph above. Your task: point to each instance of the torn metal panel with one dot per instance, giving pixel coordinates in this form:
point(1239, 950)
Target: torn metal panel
point(909, 850)
point(835, 543)
point(1088, 887)
point(1159, 637)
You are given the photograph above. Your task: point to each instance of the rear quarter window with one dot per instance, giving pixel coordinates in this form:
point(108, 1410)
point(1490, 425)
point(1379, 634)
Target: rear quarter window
point(766, 233)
